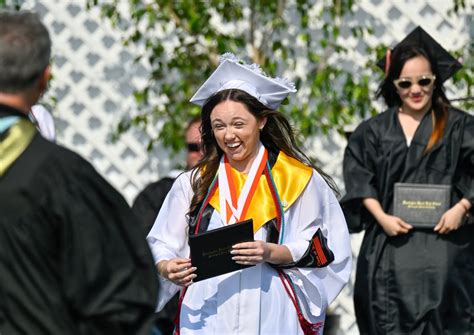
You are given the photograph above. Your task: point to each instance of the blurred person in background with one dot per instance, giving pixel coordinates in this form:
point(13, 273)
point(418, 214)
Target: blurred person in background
point(148, 204)
point(71, 262)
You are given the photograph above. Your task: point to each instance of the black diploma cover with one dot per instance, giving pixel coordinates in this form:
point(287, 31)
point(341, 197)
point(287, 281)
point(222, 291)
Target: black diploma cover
point(210, 251)
point(421, 205)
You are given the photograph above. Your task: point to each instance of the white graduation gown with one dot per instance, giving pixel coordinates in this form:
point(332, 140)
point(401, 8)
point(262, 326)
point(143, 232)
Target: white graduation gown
point(253, 300)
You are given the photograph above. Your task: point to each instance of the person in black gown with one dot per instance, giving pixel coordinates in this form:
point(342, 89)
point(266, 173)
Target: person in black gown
point(411, 280)
point(148, 203)
point(72, 258)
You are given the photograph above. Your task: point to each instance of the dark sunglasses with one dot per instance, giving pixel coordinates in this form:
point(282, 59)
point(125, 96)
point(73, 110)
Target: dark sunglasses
point(193, 147)
point(423, 81)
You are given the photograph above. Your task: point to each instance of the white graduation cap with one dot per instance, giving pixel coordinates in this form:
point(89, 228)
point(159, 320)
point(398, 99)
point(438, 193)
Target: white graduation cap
point(232, 73)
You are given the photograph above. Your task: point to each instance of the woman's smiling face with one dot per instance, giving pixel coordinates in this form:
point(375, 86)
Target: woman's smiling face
point(416, 98)
point(237, 132)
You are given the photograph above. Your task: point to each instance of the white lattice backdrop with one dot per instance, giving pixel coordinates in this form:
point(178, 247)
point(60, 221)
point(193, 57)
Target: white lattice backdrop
point(94, 80)
point(94, 77)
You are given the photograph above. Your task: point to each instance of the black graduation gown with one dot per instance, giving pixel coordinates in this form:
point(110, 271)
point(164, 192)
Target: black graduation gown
point(148, 202)
point(72, 257)
point(421, 282)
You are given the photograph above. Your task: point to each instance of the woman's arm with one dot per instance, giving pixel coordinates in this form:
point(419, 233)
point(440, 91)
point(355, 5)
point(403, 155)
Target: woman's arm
point(392, 225)
point(318, 208)
point(251, 253)
point(466, 204)
point(168, 239)
point(178, 270)
point(453, 218)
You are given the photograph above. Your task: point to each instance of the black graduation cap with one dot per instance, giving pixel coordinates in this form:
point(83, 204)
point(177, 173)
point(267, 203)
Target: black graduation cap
point(447, 64)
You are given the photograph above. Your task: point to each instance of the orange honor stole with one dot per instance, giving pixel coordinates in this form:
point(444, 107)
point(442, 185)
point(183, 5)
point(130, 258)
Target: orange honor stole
point(290, 177)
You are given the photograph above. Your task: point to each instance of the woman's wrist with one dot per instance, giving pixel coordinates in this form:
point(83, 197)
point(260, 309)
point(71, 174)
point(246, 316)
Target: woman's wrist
point(277, 253)
point(380, 216)
point(375, 208)
point(465, 205)
point(161, 267)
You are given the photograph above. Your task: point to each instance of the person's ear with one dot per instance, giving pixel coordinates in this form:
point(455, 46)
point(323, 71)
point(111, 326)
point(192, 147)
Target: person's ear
point(44, 79)
point(262, 123)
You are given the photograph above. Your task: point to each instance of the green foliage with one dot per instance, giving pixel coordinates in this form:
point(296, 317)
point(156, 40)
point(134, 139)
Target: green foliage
point(458, 5)
point(302, 40)
point(11, 4)
point(464, 79)
point(184, 39)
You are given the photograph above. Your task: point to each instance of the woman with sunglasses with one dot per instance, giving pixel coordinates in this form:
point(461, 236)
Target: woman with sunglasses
point(413, 279)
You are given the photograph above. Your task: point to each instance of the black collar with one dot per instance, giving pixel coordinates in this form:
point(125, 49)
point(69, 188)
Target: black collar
point(6, 110)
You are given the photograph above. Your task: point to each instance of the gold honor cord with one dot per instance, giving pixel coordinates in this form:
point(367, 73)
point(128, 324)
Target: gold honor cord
point(18, 138)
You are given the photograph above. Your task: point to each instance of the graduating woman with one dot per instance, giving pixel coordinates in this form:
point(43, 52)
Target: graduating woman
point(413, 280)
point(252, 168)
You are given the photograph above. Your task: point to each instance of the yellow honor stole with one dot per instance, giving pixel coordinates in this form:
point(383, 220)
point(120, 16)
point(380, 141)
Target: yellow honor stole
point(16, 141)
point(290, 177)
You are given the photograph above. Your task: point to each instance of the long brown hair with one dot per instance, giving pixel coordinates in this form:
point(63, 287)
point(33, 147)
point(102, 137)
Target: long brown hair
point(439, 101)
point(277, 135)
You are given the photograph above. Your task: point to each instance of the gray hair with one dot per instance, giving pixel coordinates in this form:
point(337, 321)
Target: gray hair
point(25, 50)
